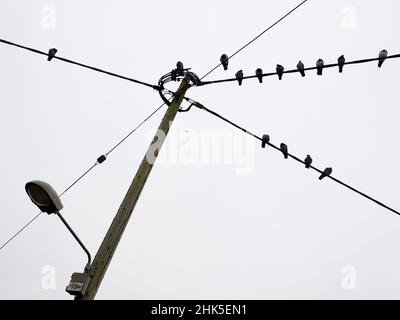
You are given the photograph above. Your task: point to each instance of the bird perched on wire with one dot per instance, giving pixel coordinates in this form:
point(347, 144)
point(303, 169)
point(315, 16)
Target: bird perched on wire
point(308, 161)
point(224, 60)
point(173, 75)
point(341, 60)
point(179, 68)
point(265, 140)
point(320, 66)
point(279, 70)
point(327, 172)
point(300, 67)
point(382, 57)
point(284, 150)
point(239, 77)
point(259, 74)
point(52, 54)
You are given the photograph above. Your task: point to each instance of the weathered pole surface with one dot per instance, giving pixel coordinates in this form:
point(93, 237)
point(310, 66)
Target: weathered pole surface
point(110, 242)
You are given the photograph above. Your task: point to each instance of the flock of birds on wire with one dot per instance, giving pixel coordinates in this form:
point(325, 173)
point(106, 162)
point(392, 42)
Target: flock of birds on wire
point(224, 59)
point(300, 67)
point(307, 161)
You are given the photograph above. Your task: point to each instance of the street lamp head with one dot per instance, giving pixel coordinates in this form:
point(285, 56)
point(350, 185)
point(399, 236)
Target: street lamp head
point(43, 196)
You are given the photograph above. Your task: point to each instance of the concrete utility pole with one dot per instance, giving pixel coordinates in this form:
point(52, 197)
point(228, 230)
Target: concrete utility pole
point(89, 282)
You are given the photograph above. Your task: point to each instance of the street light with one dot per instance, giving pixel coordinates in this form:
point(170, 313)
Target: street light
point(44, 196)
point(46, 199)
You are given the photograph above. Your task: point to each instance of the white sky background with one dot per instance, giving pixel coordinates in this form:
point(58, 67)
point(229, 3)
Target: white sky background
point(203, 230)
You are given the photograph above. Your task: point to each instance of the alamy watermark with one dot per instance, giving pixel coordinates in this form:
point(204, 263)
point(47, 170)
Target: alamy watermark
point(349, 277)
point(349, 17)
point(205, 147)
point(49, 17)
point(48, 281)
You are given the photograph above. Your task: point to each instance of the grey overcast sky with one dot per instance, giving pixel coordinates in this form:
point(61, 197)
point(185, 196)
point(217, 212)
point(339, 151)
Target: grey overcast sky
point(220, 218)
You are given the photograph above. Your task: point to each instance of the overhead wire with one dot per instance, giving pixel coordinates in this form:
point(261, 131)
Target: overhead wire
point(103, 157)
point(20, 230)
point(255, 38)
point(100, 160)
point(332, 65)
point(80, 64)
point(202, 107)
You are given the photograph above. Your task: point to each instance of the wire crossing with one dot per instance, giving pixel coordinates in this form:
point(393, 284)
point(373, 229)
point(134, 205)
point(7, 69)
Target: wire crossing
point(280, 73)
point(283, 148)
point(51, 55)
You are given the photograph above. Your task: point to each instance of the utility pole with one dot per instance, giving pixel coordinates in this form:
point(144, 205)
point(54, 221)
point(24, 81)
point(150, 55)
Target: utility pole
point(85, 285)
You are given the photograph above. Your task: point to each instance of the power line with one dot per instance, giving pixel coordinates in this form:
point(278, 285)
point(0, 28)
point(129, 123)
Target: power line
point(332, 65)
point(79, 64)
point(258, 36)
point(79, 179)
point(137, 127)
point(20, 230)
point(103, 157)
point(267, 142)
point(100, 160)
point(52, 55)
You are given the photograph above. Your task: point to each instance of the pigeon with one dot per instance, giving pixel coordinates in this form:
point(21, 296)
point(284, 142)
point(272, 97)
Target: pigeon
point(259, 74)
point(179, 68)
point(300, 67)
point(52, 54)
point(279, 71)
point(284, 150)
point(224, 60)
point(382, 57)
point(265, 140)
point(320, 66)
point(327, 172)
point(173, 75)
point(341, 60)
point(308, 161)
point(239, 77)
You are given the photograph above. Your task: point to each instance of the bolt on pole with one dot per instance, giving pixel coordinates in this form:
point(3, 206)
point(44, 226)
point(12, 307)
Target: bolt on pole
point(110, 242)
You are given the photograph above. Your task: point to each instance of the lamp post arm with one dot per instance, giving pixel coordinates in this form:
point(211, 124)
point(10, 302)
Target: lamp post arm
point(77, 239)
